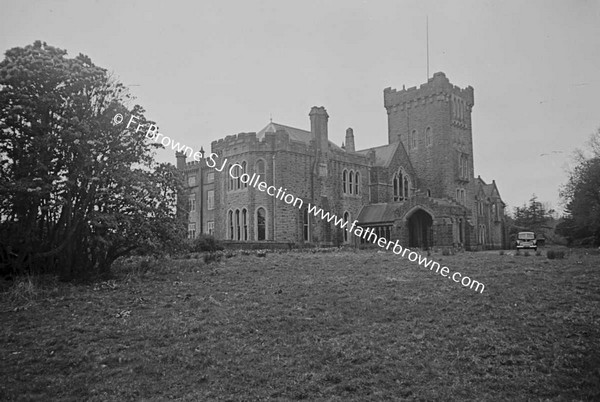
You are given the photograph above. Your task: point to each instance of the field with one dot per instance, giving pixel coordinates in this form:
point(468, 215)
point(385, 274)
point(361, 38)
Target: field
point(342, 326)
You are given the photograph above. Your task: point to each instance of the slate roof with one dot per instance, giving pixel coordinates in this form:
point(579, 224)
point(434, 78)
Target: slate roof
point(295, 134)
point(383, 154)
point(375, 213)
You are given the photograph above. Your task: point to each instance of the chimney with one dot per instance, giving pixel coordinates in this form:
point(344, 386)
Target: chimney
point(180, 160)
point(318, 127)
point(350, 140)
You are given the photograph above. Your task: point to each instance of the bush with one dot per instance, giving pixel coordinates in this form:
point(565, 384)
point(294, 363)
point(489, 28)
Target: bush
point(446, 251)
point(501, 252)
point(518, 252)
point(555, 254)
point(205, 243)
point(212, 257)
point(538, 252)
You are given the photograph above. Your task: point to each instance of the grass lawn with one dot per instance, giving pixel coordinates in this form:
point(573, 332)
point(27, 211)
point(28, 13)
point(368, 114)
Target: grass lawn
point(341, 326)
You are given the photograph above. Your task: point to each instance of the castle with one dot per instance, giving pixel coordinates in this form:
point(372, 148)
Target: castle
point(420, 188)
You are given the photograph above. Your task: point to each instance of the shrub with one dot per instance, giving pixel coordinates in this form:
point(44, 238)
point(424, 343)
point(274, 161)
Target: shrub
point(501, 252)
point(446, 251)
point(555, 254)
point(538, 252)
point(212, 257)
point(518, 252)
point(206, 243)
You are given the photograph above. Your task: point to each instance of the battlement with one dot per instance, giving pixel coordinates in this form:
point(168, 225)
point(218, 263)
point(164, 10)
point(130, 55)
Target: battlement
point(437, 87)
point(248, 142)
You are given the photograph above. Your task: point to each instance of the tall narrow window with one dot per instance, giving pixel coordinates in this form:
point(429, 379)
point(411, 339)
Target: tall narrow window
point(261, 224)
point(231, 179)
point(210, 227)
point(192, 202)
point(406, 188)
point(346, 219)
point(210, 199)
point(398, 187)
point(428, 140)
point(345, 181)
point(350, 180)
point(244, 185)
point(260, 169)
point(357, 184)
point(230, 222)
point(237, 225)
point(244, 224)
point(305, 225)
point(192, 230)
point(414, 139)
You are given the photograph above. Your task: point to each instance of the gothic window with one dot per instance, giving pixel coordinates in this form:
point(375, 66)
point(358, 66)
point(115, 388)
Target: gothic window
point(261, 224)
point(414, 139)
point(237, 225)
point(232, 181)
point(428, 140)
point(406, 187)
point(345, 181)
point(230, 224)
point(210, 227)
point(398, 187)
point(346, 219)
point(428, 193)
point(350, 182)
point(305, 225)
point(244, 185)
point(357, 184)
point(244, 224)
point(260, 169)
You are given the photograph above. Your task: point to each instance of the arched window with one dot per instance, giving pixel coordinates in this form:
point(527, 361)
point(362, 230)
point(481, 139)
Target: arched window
point(345, 181)
point(357, 184)
point(406, 187)
point(261, 224)
point(346, 219)
point(244, 170)
point(244, 224)
point(414, 139)
point(230, 222)
point(305, 225)
point(237, 225)
point(428, 139)
point(351, 179)
point(428, 193)
point(398, 187)
point(260, 169)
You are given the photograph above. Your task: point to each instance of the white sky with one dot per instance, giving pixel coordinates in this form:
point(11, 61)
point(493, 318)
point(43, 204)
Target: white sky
point(207, 69)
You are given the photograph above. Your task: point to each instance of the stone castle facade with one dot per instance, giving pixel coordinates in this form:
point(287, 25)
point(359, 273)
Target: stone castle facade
point(420, 188)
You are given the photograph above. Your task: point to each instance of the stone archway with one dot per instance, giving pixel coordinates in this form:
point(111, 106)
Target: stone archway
point(420, 224)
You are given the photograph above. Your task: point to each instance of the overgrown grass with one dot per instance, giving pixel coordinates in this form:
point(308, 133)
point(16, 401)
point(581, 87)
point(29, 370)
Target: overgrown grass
point(342, 326)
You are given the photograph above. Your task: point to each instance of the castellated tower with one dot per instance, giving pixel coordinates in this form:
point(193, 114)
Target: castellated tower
point(433, 122)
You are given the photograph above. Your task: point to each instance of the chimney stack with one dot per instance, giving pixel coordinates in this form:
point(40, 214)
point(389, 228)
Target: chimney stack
point(318, 127)
point(350, 140)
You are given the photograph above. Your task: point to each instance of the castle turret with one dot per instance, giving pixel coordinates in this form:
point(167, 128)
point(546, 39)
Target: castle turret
point(350, 140)
point(180, 160)
point(318, 127)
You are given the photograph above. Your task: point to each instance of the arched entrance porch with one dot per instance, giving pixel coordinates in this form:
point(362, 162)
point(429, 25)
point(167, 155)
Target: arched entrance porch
point(420, 228)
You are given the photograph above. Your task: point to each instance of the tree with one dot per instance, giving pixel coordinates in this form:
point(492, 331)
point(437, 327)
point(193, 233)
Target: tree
point(581, 195)
point(76, 190)
point(534, 216)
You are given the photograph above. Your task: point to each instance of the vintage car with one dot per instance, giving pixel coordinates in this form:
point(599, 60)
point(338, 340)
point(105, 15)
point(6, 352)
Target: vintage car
point(526, 240)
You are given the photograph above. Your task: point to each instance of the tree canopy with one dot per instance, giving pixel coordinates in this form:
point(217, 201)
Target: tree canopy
point(581, 195)
point(76, 190)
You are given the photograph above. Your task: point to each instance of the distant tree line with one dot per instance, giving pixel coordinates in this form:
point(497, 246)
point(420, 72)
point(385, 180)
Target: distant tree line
point(77, 191)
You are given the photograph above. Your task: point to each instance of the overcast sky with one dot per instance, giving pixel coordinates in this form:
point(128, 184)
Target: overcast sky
point(207, 69)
